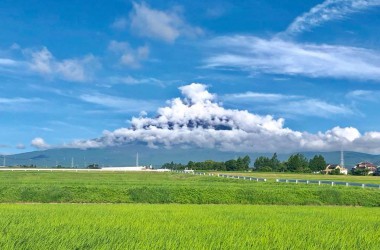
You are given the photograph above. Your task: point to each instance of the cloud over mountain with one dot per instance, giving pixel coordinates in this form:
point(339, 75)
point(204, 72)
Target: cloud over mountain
point(39, 143)
point(198, 120)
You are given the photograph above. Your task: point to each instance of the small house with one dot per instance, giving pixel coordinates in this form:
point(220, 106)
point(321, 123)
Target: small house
point(365, 165)
point(333, 167)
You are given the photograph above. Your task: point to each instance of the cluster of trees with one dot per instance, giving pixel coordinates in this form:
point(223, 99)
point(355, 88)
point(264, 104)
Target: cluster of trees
point(27, 166)
point(295, 163)
point(240, 164)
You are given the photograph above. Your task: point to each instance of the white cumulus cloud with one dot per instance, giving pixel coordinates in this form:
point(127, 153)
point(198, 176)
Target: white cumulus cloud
point(159, 24)
point(127, 55)
point(39, 143)
point(75, 69)
point(197, 120)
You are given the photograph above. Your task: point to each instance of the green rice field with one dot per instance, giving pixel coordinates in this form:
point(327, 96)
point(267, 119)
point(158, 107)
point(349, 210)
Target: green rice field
point(146, 210)
point(174, 226)
point(148, 187)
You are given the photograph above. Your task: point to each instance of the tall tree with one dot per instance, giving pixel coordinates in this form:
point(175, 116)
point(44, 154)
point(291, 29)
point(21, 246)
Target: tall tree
point(317, 163)
point(231, 165)
point(263, 163)
point(297, 163)
point(190, 165)
point(247, 161)
point(275, 162)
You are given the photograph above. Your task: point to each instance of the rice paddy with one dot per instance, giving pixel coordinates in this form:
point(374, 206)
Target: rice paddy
point(173, 226)
point(147, 187)
point(69, 210)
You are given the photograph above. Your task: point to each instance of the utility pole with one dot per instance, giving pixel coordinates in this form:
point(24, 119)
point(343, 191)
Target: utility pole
point(341, 158)
point(72, 162)
point(3, 160)
point(137, 159)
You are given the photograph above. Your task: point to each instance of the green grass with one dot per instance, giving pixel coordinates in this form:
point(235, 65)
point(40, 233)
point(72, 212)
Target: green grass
point(272, 176)
point(202, 212)
point(173, 226)
point(147, 187)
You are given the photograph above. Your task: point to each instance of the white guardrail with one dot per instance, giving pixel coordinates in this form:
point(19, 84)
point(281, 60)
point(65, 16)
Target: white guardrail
point(223, 175)
point(296, 181)
point(332, 183)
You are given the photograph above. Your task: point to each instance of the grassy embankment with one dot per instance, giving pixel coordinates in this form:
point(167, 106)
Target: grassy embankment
point(96, 187)
point(173, 226)
point(272, 176)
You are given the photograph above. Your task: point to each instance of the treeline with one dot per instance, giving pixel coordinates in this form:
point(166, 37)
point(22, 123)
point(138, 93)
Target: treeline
point(240, 164)
point(295, 163)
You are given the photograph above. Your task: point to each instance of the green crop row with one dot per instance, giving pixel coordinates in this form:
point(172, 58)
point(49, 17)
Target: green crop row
point(171, 188)
point(173, 226)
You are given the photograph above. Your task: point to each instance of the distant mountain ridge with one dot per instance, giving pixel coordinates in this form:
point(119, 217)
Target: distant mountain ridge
point(126, 156)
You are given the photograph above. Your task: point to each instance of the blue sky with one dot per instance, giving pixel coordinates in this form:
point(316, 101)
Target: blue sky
point(281, 76)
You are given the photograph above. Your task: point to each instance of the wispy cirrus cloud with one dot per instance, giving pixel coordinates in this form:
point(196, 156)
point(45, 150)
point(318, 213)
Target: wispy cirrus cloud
point(8, 62)
point(288, 104)
point(19, 100)
point(20, 146)
point(329, 10)
point(130, 80)
point(13, 66)
point(164, 25)
point(120, 23)
point(364, 95)
point(20, 104)
point(314, 107)
point(119, 104)
point(259, 97)
point(276, 56)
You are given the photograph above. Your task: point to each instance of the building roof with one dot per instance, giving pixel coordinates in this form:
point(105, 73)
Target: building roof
point(333, 166)
point(366, 164)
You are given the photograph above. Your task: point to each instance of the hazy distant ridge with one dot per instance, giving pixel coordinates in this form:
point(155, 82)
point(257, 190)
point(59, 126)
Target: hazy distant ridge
point(126, 156)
